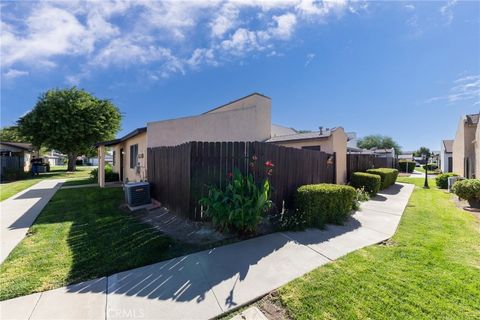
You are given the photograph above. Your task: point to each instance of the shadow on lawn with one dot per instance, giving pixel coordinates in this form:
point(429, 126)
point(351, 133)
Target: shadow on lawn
point(186, 278)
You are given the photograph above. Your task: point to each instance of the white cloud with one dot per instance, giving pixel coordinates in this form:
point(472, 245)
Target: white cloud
point(14, 73)
point(466, 88)
point(309, 59)
point(447, 10)
point(168, 36)
point(409, 7)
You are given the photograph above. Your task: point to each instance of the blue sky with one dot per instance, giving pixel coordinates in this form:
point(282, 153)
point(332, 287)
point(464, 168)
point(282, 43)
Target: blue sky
point(404, 69)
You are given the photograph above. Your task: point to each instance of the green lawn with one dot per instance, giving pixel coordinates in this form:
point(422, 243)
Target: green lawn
point(81, 176)
point(429, 270)
point(81, 234)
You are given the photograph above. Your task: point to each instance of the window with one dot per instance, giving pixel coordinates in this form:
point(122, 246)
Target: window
point(314, 148)
point(113, 158)
point(133, 155)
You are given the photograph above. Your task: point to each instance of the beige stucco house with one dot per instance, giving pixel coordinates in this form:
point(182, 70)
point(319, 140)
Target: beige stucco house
point(329, 140)
point(466, 147)
point(244, 119)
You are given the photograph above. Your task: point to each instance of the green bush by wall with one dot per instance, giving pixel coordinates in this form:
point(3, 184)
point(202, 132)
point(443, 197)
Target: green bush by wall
point(430, 167)
point(318, 204)
point(406, 166)
point(110, 176)
point(468, 189)
point(369, 182)
point(442, 179)
point(388, 176)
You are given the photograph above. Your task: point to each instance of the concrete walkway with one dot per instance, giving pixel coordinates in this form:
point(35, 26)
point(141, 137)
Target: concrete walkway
point(208, 283)
point(18, 212)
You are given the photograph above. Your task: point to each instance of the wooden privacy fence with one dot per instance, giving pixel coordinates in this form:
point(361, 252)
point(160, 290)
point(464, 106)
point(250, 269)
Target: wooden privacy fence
point(181, 175)
point(363, 162)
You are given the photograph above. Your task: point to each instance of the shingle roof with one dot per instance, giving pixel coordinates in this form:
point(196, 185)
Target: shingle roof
point(126, 137)
point(472, 119)
point(448, 145)
point(301, 136)
point(20, 145)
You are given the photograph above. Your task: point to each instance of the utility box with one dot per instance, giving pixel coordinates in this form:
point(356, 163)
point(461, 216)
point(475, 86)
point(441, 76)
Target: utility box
point(137, 194)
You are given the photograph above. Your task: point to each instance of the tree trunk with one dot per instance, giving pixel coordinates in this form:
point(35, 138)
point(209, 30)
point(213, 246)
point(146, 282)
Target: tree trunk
point(72, 162)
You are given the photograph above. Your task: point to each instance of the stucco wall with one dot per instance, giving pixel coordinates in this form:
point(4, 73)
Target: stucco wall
point(131, 173)
point(248, 119)
point(337, 142)
point(464, 148)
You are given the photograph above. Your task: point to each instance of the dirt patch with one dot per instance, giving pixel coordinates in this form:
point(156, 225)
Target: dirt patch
point(181, 228)
point(272, 308)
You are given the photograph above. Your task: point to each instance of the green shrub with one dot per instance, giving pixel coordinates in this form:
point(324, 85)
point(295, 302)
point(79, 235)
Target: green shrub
point(323, 203)
point(430, 167)
point(442, 179)
point(110, 176)
point(388, 176)
point(369, 182)
point(240, 206)
point(468, 189)
point(406, 166)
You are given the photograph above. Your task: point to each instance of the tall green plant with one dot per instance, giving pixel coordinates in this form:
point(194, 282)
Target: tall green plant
point(241, 205)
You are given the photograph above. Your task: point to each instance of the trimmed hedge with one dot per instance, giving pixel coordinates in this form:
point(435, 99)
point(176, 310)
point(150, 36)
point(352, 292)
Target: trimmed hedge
point(468, 189)
point(369, 182)
point(430, 167)
point(388, 176)
point(442, 179)
point(318, 204)
point(403, 165)
point(110, 176)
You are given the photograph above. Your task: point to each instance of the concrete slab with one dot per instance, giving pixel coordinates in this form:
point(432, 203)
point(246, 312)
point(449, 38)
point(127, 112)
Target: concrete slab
point(385, 223)
point(19, 308)
point(252, 313)
point(249, 269)
point(86, 300)
point(174, 289)
point(337, 241)
point(20, 211)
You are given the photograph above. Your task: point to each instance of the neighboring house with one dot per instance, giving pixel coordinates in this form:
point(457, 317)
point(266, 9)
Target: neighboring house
point(16, 155)
point(407, 155)
point(55, 158)
point(466, 148)
point(352, 144)
point(245, 119)
point(446, 156)
point(328, 140)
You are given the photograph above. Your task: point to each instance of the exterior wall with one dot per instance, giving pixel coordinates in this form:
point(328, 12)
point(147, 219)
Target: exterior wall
point(248, 119)
point(477, 152)
point(131, 173)
point(464, 148)
point(337, 143)
point(458, 149)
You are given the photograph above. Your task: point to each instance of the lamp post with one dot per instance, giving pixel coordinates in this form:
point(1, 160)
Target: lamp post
point(425, 157)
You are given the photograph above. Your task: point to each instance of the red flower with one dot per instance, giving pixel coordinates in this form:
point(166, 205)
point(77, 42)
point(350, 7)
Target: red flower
point(229, 174)
point(269, 164)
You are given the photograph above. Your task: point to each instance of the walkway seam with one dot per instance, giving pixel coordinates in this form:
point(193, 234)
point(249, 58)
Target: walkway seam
point(211, 287)
point(35, 306)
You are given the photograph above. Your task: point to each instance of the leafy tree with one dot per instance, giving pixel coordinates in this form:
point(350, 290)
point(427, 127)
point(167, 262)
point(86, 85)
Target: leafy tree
point(11, 134)
point(378, 141)
point(423, 151)
point(70, 121)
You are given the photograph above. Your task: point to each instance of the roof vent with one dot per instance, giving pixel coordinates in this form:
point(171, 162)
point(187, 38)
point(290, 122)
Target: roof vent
point(321, 130)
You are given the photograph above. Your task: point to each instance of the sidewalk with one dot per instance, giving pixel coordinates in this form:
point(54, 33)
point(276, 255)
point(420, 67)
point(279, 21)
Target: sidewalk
point(208, 283)
point(20, 211)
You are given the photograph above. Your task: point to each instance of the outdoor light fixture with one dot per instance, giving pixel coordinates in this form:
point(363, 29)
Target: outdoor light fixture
point(330, 160)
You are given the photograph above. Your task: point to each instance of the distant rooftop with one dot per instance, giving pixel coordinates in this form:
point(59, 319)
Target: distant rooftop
point(472, 119)
point(448, 145)
point(302, 136)
point(20, 145)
